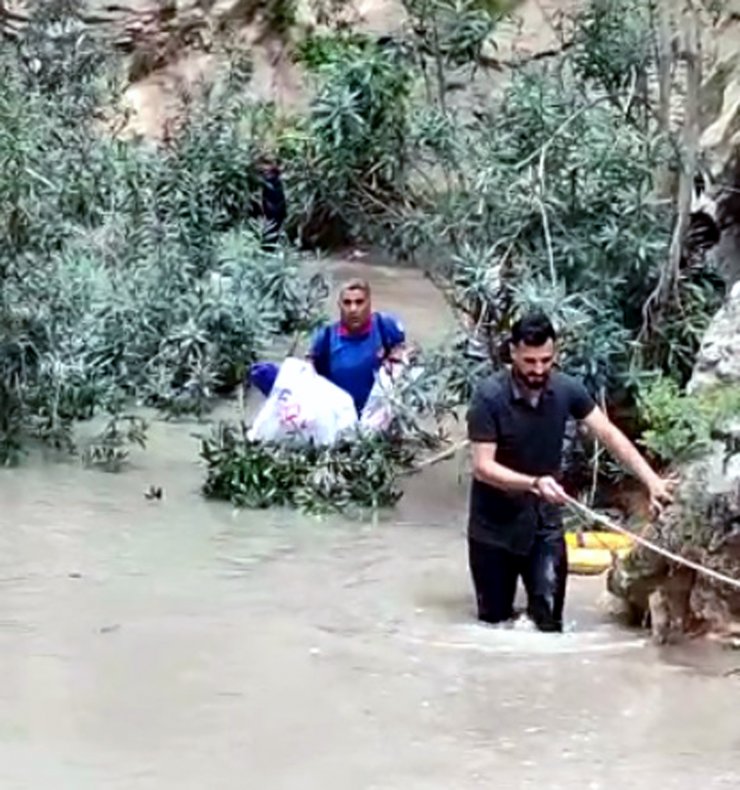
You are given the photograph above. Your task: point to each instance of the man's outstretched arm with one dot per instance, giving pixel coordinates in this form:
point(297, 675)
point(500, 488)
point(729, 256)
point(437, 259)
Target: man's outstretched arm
point(621, 447)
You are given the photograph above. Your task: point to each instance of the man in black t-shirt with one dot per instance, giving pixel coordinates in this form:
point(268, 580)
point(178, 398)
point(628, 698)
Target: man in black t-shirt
point(516, 426)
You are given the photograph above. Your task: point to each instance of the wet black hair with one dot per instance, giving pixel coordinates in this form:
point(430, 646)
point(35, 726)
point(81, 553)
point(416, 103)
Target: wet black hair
point(533, 329)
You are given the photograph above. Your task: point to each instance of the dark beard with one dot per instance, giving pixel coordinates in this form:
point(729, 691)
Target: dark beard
point(534, 385)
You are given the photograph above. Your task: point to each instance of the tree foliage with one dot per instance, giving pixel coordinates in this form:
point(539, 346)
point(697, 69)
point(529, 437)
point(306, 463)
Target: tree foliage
point(680, 427)
point(614, 42)
point(348, 160)
point(546, 196)
point(127, 272)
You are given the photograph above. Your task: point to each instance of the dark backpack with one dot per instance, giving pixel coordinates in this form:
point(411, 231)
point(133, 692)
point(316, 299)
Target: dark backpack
point(322, 360)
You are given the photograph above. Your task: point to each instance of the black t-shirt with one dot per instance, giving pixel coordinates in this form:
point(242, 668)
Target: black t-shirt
point(528, 439)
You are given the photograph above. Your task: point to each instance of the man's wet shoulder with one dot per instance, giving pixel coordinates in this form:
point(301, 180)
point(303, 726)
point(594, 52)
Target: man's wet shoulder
point(564, 382)
point(493, 387)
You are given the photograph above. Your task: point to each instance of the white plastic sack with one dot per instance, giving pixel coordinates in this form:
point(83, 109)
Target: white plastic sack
point(378, 411)
point(303, 405)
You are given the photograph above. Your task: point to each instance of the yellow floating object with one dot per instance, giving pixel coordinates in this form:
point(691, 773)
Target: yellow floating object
point(594, 554)
point(598, 540)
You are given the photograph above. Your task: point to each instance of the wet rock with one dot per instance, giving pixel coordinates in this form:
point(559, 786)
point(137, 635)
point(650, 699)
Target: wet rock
point(719, 356)
point(633, 581)
point(721, 91)
point(703, 526)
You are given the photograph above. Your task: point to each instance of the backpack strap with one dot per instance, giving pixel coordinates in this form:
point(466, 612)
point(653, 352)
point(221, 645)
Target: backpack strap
point(322, 360)
point(383, 335)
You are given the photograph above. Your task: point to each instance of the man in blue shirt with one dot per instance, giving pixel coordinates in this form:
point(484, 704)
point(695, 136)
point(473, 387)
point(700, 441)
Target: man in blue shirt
point(350, 351)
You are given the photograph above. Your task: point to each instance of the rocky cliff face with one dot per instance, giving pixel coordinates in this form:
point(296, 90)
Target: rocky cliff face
point(174, 47)
point(721, 136)
point(720, 139)
point(718, 362)
point(717, 476)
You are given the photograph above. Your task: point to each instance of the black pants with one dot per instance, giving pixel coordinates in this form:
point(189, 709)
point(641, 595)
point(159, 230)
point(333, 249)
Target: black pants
point(544, 572)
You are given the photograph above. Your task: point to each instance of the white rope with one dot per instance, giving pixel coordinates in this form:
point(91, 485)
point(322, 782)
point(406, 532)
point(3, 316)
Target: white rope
point(591, 515)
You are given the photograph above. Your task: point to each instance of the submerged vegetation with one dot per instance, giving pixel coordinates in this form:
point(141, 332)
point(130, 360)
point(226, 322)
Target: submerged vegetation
point(134, 273)
point(356, 474)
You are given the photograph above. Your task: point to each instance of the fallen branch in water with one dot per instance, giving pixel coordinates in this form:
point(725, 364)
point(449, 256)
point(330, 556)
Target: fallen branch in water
point(448, 452)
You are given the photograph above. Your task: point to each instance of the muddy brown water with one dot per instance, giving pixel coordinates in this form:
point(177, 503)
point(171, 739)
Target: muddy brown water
point(180, 644)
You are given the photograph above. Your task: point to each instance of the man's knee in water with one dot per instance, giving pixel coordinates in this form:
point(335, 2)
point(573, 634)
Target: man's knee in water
point(494, 615)
point(493, 619)
point(541, 614)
